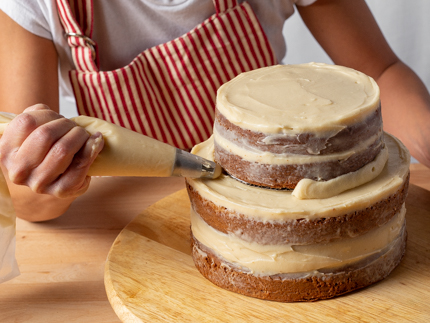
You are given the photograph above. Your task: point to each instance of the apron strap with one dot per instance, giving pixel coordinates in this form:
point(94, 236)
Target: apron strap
point(224, 5)
point(76, 16)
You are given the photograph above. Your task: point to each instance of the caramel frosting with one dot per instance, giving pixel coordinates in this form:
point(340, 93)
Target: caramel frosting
point(252, 154)
point(309, 189)
point(279, 259)
point(127, 153)
point(271, 205)
point(305, 98)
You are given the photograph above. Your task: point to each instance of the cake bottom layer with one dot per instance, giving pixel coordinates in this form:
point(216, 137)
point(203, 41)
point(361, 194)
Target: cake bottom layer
point(298, 287)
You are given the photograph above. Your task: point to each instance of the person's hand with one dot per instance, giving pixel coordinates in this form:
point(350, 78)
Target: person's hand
point(48, 153)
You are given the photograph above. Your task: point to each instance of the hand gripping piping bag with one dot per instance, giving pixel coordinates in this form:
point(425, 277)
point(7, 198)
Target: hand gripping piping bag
point(125, 153)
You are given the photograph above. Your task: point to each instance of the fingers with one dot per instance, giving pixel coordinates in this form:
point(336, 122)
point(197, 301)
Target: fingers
point(52, 144)
point(47, 166)
point(74, 180)
point(25, 123)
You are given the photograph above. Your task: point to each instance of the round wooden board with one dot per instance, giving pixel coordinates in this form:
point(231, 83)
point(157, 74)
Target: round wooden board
point(150, 277)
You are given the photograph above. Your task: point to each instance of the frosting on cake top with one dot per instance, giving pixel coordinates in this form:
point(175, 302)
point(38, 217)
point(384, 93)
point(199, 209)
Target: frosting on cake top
point(313, 97)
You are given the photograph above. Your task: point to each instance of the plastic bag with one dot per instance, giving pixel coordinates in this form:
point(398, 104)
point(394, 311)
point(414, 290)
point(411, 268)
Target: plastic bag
point(8, 265)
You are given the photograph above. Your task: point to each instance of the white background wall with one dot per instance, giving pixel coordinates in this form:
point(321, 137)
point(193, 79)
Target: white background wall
point(404, 23)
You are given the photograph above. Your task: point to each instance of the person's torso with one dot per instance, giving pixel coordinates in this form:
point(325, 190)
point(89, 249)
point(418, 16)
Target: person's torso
point(168, 90)
point(123, 29)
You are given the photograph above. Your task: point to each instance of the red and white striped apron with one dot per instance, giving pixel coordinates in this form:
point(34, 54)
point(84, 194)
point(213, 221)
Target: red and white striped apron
point(168, 91)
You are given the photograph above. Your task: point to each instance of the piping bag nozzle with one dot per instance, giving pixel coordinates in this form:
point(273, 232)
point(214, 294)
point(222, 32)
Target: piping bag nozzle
point(189, 165)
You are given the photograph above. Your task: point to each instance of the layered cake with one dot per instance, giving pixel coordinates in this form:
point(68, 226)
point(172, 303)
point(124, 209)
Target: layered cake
point(277, 125)
point(332, 231)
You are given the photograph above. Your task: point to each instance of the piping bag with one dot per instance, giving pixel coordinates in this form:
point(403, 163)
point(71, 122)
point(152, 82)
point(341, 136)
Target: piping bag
point(128, 153)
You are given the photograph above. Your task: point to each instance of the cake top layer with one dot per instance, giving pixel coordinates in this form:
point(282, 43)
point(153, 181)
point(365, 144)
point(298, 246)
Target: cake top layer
point(311, 97)
point(271, 205)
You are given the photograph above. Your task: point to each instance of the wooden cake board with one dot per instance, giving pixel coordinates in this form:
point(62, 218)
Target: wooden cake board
point(150, 277)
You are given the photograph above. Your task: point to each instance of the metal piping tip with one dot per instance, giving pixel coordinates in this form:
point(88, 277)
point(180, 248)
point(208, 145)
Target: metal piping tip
point(193, 166)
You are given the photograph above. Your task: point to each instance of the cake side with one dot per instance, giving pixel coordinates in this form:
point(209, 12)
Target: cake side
point(321, 230)
point(311, 287)
point(297, 258)
point(280, 176)
point(267, 205)
point(300, 144)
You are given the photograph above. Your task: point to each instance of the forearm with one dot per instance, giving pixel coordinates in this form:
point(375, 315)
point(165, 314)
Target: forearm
point(28, 75)
point(406, 109)
point(350, 35)
point(28, 69)
point(45, 157)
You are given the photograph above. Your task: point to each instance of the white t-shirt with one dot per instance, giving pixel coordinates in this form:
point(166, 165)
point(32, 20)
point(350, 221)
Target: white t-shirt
point(125, 28)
